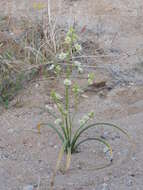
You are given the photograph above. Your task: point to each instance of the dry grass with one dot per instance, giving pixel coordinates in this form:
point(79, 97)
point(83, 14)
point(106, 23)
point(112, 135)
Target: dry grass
point(26, 49)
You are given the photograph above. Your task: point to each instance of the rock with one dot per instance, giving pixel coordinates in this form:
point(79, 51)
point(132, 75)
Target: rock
point(37, 85)
point(134, 158)
point(105, 135)
point(28, 187)
point(99, 84)
point(55, 146)
point(103, 186)
point(10, 130)
point(129, 182)
point(4, 156)
point(105, 149)
point(132, 175)
point(106, 178)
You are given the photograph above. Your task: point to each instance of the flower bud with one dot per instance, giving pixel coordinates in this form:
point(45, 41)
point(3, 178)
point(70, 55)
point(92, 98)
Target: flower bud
point(67, 82)
point(78, 47)
point(58, 121)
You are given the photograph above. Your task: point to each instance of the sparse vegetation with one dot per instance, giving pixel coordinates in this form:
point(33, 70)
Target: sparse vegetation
point(27, 55)
point(62, 65)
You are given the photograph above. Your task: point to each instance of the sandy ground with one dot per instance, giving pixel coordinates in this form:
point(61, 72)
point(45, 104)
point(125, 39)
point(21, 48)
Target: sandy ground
point(26, 156)
point(29, 158)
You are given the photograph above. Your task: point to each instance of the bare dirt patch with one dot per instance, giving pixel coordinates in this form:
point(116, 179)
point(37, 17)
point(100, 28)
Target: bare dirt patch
point(113, 31)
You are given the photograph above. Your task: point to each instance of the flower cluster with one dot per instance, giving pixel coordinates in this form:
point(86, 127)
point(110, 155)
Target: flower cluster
point(71, 36)
point(51, 67)
point(86, 118)
point(78, 47)
point(76, 89)
point(58, 121)
point(67, 82)
point(68, 40)
point(58, 69)
point(62, 56)
point(91, 77)
point(79, 67)
point(56, 96)
point(47, 107)
point(71, 39)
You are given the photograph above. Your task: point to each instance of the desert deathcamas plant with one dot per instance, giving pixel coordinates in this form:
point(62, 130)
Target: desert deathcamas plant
point(63, 126)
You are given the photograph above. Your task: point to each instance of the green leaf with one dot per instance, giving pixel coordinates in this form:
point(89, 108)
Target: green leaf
point(96, 139)
point(82, 129)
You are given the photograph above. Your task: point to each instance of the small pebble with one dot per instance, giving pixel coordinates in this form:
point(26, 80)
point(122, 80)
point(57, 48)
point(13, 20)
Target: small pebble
point(129, 182)
point(47, 107)
point(131, 83)
point(36, 85)
point(55, 146)
point(94, 151)
point(4, 156)
point(105, 134)
point(106, 178)
point(134, 158)
point(11, 33)
point(103, 186)
point(28, 187)
point(132, 175)
point(106, 149)
point(10, 130)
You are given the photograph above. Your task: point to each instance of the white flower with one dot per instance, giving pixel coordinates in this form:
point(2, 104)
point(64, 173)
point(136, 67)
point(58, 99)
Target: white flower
point(78, 47)
point(58, 96)
point(51, 67)
point(81, 122)
point(68, 40)
point(90, 82)
point(76, 89)
point(55, 96)
point(84, 120)
point(57, 69)
point(91, 114)
point(91, 78)
point(77, 64)
point(58, 121)
point(67, 82)
point(80, 69)
point(62, 56)
point(48, 107)
point(36, 85)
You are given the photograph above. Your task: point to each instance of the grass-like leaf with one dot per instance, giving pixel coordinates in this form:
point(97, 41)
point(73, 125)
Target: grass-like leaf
point(82, 129)
point(96, 139)
point(52, 127)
